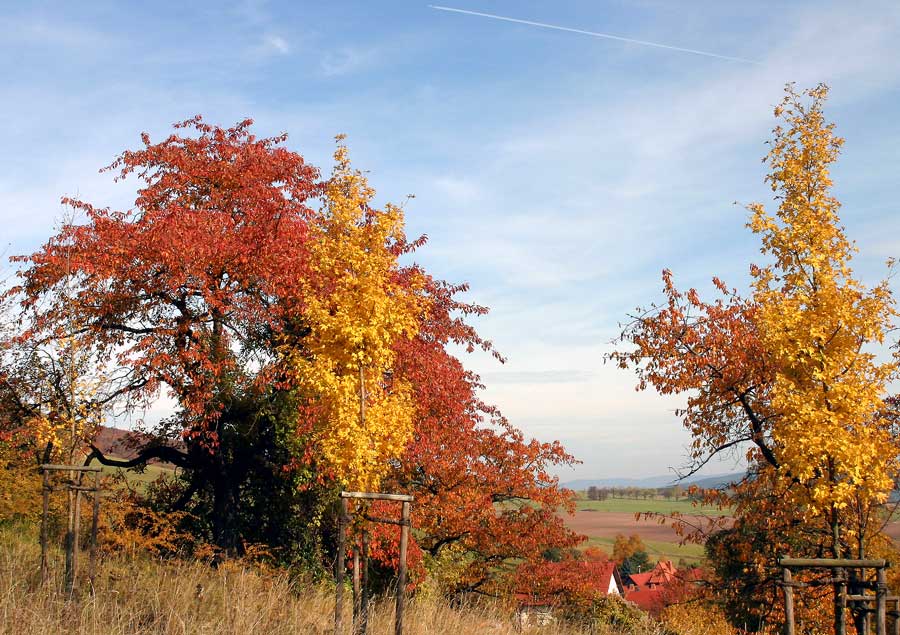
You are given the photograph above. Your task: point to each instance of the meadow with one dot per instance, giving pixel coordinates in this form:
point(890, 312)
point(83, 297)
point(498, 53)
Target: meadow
point(654, 505)
point(146, 596)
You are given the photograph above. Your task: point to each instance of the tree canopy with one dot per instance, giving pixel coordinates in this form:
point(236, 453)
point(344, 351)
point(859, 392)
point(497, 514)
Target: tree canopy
point(303, 348)
point(790, 373)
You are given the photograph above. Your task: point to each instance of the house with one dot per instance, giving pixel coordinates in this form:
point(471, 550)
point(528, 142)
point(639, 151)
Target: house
point(606, 577)
point(664, 584)
point(594, 577)
point(663, 573)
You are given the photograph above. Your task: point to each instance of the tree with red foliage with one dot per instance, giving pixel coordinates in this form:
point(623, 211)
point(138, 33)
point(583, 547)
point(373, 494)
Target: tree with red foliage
point(187, 292)
point(200, 289)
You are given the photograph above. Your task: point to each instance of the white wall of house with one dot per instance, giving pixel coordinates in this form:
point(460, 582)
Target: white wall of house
point(613, 587)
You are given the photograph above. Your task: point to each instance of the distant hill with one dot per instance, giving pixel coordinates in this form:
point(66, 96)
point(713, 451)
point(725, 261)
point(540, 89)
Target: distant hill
point(705, 482)
point(123, 444)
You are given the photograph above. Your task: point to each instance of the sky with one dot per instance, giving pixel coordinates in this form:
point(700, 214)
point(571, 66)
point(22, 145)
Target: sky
point(557, 172)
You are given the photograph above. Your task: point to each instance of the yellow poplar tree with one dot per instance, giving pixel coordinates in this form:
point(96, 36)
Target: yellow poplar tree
point(356, 307)
point(819, 325)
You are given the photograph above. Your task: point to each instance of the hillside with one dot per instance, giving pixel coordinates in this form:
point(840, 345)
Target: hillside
point(119, 443)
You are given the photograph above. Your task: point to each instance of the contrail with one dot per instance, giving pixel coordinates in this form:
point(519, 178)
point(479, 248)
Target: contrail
point(595, 34)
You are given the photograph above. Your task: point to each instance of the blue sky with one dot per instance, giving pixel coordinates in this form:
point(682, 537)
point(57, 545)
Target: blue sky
point(557, 173)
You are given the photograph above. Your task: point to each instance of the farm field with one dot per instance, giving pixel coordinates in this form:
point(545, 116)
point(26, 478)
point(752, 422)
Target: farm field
point(658, 550)
point(601, 521)
point(655, 505)
point(140, 478)
point(601, 527)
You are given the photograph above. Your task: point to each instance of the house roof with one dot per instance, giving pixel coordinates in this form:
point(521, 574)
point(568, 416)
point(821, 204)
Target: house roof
point(648, 599)
point(663, 573)
point(602, 574)
point(599, 575)
point(640, 579)
point(654, 589)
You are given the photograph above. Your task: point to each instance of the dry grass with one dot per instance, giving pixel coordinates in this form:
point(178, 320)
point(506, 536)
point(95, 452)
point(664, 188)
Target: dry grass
point(148, 597)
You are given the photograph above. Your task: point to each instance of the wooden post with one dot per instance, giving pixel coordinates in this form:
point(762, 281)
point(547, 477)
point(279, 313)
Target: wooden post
point(339, 567)
point(70, 538)
point(45, 572)
point(361, 555)
point(95, 520)
point(787, 586)
point(357, 606)
point(840, 602)
point(881, 602)
point(76, 532)
point(897, 616)
point(401, 574)
point(364, 590)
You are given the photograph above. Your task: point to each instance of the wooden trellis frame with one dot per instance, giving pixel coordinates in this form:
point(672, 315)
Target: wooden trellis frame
point(75, 488)
point(360, 591)
point(842, 599)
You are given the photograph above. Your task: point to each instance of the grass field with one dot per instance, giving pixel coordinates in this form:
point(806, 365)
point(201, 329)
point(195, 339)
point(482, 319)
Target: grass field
point(656, 505)
point(140, 479)
point(602, 520)
point(657, 550)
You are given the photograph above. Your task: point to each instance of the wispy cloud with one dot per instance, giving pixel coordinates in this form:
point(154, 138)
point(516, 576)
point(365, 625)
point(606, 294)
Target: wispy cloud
point(46, 34)
point(275, 44)
point(539, 377)
point(460, 190)
point(346, 60)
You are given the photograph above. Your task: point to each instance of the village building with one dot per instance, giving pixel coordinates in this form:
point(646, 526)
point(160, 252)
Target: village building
point(654, 590)
point(536, 611)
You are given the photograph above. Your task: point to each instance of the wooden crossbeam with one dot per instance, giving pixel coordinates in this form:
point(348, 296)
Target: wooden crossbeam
point(376, 496)
point(834, 563)
point(71, 468)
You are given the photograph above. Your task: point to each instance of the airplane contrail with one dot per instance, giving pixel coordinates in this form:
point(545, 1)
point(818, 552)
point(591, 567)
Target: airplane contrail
point(595, 34)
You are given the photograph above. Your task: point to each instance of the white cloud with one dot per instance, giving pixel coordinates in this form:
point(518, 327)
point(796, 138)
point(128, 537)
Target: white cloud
point(458, 190)
point(46, 34)
point(276, 44)
point(346, 60)
point(578, 210)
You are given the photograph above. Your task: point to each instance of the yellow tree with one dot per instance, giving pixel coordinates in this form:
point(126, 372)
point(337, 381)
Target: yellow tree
point(790, 374)
point(817, 323)
point(356, 305)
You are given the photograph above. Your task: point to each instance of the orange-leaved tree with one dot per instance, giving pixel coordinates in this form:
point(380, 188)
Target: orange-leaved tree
point(185, 293)
point(301, 355)
point(790, 373)
point(485, 499)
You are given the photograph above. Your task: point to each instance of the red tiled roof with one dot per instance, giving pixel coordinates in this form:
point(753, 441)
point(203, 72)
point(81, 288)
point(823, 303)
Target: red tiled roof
point(650, 600)
point(599, 574)
point(663, 573)
point(641, 579)
point(654, 589)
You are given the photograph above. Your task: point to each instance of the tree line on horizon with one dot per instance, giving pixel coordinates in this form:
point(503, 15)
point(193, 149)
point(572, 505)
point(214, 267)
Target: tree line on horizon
point(672, 492)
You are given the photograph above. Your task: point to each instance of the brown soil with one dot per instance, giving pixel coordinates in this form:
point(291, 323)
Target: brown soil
point(608, 524)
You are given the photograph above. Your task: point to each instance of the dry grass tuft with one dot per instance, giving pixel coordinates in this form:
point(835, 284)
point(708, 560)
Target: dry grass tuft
point(141, 596)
